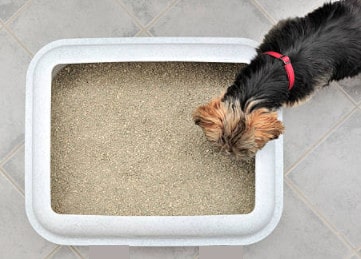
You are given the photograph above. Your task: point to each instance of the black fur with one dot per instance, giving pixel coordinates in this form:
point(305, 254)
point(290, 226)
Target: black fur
point(323, 46)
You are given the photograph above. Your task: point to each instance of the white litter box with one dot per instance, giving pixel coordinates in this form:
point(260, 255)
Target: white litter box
point(68, 229)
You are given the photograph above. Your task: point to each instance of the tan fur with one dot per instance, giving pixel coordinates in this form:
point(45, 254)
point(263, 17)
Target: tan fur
point(250, 104)
point(265, 126)
point(210, 118)
point(233, 131)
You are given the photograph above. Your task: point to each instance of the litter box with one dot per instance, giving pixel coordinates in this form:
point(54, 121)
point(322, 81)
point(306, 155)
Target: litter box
point(70, 229)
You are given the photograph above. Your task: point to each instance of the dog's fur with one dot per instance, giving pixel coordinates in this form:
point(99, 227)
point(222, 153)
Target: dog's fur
point(323, 46)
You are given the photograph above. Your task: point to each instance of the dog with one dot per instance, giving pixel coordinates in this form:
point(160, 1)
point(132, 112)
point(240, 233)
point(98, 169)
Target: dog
point(297, 57)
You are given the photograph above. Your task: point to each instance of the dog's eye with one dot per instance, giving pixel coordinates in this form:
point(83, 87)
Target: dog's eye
point(197, 121)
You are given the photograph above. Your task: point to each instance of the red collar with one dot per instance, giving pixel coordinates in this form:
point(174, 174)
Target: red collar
point(288, 66)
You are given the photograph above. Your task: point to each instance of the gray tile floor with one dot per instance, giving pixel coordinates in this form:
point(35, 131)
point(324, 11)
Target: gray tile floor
point(322, 209)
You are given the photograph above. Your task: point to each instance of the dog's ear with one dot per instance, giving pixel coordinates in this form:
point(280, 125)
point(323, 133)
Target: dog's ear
point(210, 118)
point(264, 125)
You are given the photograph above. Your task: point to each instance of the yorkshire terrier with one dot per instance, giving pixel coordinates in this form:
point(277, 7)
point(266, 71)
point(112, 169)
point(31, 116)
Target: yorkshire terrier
point(297, 57)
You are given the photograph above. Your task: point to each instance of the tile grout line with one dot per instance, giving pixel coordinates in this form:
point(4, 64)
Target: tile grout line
point(197, 255)
point(319, 215)
point(359, 250)
point(18, 41)
point(148, 33)
point(75, 251)
point(15, 185)
point(18, 12)
point(11, 181)
point(53, 252)
point(131, 15)
point(6, 175)
point(11, 19)
point(11, 154)
point(263, 10)
point(140, 32)
point(320, 141)
point(346, 94)
point(152, 22)
point(144, 29)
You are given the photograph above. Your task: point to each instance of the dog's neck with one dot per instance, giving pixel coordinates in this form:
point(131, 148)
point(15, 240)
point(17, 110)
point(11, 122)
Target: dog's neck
point(262, 84)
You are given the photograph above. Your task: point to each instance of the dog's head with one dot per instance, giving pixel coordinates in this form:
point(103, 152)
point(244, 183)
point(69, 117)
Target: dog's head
point(234, 131)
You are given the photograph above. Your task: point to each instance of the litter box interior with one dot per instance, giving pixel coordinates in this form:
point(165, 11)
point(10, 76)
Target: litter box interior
point(123, 142)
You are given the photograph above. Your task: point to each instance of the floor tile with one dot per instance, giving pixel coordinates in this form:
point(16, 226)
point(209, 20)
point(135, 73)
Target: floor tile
point(353, 87)
point(47, 20)
point(307, 123)
point(83, 250)
point(280, 9)
point(163, 252)
point(322, 176)
point(231, 18)
point(330, 178)
point(109, 251)
point(229, 252)
point(300, 234)
point(145, 10)
point(142, 34)
point(13, 66)
point(15, 167)
point(64, 253)
point(18, 239)
point(9, 7)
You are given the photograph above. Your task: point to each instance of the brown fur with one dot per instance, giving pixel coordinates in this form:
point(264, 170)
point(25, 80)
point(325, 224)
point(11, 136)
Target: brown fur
point(229, 128)
point(264, 125)
point(210, 118)
point(323, 46)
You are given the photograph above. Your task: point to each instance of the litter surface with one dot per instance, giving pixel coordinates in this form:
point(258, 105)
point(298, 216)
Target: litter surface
point(123, 142)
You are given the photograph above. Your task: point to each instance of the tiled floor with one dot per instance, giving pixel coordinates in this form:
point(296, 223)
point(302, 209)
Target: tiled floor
point(322, 209)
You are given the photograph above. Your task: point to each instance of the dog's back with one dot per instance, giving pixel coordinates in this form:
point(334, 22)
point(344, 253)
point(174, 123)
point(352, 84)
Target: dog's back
point(329, 37)
point(345, 38)
point(324, 45)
